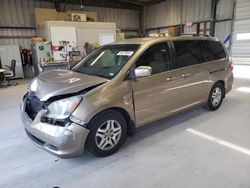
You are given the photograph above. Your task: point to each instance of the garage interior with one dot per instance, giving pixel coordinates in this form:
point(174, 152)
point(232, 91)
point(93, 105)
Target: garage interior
point(196, 148)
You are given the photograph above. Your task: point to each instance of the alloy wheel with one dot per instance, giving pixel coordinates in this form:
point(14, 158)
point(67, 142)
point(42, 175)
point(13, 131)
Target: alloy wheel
point(216, 96)
point(108, 135)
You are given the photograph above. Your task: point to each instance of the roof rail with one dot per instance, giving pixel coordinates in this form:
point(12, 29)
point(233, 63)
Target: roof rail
point(194, 34)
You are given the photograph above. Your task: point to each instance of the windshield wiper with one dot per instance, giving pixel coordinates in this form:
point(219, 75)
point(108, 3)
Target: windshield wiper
point(100, 75)
point(91, 74)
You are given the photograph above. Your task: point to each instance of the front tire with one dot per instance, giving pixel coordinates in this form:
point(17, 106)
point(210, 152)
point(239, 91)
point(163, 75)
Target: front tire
point(216, 96)
point(108, 131)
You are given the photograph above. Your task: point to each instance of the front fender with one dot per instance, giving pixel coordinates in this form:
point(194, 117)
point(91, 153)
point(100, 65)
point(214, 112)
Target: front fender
point(113, 95)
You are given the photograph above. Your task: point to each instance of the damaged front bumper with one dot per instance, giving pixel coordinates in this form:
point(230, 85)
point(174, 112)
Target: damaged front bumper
point(62, 141)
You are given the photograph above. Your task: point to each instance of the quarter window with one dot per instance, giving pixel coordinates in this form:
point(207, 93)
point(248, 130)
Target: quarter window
point(157, 57)
point(187, 53)
point(213, 50)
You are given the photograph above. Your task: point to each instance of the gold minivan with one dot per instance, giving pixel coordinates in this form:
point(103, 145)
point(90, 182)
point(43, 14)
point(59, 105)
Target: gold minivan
point(121, 87)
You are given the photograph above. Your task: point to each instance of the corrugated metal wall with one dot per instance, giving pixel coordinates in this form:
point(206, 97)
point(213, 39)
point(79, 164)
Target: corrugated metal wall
point(170, 12)
point(224, 9)
point(124, 18)
point(20, 13)
point(223, 30)
point(241, 47)
point(163, 14)
point(196, 10)
point(24, 43)
point(174, 12)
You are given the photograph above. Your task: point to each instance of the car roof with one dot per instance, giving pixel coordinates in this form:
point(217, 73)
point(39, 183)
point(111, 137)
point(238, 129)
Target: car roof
point(141, 41)
point(134, 41)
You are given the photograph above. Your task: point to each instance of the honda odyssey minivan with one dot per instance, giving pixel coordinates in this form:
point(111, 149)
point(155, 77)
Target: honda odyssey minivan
point(121, 87)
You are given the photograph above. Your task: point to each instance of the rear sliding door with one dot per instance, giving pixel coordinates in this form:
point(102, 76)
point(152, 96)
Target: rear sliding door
point(193, 77)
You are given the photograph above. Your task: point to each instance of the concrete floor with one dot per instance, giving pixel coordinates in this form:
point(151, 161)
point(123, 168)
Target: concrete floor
point(169, 154)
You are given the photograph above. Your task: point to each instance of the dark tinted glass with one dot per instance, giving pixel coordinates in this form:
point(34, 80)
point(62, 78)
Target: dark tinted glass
point(187, 53)
point(213, 50)
point(157, 57)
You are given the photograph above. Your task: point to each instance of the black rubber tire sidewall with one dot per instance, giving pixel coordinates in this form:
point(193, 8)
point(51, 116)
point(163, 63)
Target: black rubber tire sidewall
point(210, 105)
point(96, 123)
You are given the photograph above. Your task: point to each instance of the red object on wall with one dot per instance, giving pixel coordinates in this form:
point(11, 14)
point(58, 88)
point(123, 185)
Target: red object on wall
point(57, 48)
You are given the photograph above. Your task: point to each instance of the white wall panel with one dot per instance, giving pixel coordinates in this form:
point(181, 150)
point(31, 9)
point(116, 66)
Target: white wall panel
point(241, 48)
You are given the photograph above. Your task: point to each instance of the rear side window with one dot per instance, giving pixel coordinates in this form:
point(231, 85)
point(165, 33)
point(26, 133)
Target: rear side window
point(213, 50)
point(187, 53)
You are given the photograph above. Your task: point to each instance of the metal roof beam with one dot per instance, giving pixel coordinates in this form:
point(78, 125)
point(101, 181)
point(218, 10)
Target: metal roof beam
point(101, 3)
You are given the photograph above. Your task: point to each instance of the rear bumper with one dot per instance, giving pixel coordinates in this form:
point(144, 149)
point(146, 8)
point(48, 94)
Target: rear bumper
point(64, 142)
point(229, 83)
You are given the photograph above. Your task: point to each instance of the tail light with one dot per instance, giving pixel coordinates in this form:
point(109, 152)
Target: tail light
point(230, 67)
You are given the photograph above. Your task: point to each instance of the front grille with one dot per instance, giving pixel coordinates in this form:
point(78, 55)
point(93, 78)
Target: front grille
point(57, 122)
point(33, 105)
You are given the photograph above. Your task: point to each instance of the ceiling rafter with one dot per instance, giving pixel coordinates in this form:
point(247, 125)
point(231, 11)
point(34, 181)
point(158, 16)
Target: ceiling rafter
point(100, 3)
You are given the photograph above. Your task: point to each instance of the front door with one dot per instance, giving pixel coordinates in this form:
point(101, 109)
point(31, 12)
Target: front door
point(155, 96)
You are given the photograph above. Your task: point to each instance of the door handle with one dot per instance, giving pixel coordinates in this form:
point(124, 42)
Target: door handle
point(185, 75)
point(170, 79)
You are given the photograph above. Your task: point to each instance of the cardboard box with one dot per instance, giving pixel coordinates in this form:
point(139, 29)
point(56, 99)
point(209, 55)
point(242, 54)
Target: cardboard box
point(120, 36)
point(64, 16)
point(45, 14)
point(37, 40)
point(91, 16)
point(173, 31)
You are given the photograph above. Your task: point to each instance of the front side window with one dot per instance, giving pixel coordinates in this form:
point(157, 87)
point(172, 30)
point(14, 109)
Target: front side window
point(213, 50)
point(187, 52)
point(106, 61)
point(157, 57)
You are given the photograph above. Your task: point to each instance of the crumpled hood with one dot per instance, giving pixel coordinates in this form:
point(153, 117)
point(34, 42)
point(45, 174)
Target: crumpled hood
point(60, 82)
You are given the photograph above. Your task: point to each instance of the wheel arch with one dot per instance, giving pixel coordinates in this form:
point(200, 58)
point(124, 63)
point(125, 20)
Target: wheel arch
point(222, 82)
point(129, 122)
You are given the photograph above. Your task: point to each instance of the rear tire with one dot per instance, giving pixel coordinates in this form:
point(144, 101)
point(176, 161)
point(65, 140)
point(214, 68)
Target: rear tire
point(108, 131)
point(216, 96)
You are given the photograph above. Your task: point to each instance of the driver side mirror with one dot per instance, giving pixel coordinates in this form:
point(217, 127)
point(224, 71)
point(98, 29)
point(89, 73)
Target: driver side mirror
point(143, 71)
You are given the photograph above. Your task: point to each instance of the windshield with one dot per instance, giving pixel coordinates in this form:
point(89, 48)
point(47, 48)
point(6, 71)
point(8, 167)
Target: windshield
point(106, 61)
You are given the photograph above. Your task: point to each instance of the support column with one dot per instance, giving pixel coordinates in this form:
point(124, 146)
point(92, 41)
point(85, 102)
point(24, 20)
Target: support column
point(213, 16)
